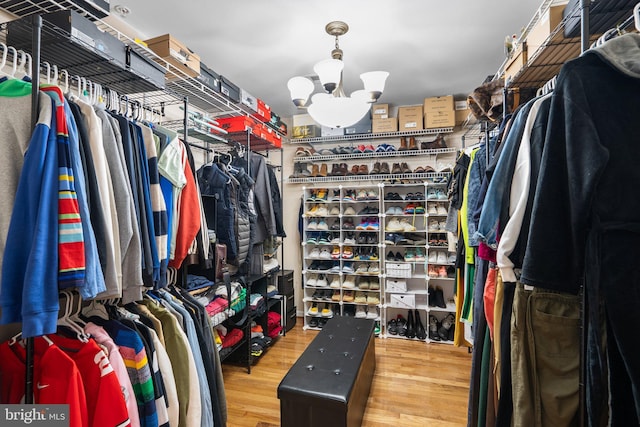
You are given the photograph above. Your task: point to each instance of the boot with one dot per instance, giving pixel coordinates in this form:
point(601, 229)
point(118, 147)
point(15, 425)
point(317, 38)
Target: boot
point(439, 298)
point(384, 168)
point(304, 172)
point(323, 169)
point(411, 331)
point(405, 168)
point(376, 169)
point(421, 334)
point(335, 171)
point(315, 170)
point(344, 170)
point(403, 144)
point(433, 328)
point(412, 143)
point(396, 169)
point(354, 170)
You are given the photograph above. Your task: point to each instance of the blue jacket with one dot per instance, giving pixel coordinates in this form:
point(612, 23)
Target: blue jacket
point(30, 263)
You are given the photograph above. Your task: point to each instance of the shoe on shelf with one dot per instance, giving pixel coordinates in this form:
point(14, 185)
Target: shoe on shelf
point(335, 296)
point(411, 331)
point(373, 298)
point(360, 298)
point(402, 325)
point(432, 209)
point(384, 168)
point(349, 211)
point(363, 224)
point(350, 239)
point(317, 295)
point(313, 310)
point(406, 226)
point(409, 255)
point(392, 327)
point(373, 224)
point(432, 272)
point(362, 269)
point(434, 225)
point(431, 294)
point(390, 256)
point(363, 283)
point(348, 296)
point(405, 168)
point(373, 269)
point(433, 257)
point(325, 254)
point(348, 283)
point(442, 272)
point(322, 211)
point(361, 312)
point(322, 281)
point(313, 323)
point(421, 333)
point(441, 258)
point(327, 311)
point(438, 299)
point(335, 211)
point(347, 252)
point(335, 283)
point(322, 225)
point(335, 268)
point(441, 210)
point(372, 313)
point(434, 325)
point(403, 144)
point(419, 257)
point(374, 285)
point(314, 254)
point(336, 196)
point(446, 324)
point(431, 194)
point(375, 170)
point(347, 268)
point(399, 257)
point(394, 226)
point(312, 279)
point(396, 169)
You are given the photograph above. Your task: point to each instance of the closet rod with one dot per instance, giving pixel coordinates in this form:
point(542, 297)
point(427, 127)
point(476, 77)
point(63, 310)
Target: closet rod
point(35, 93)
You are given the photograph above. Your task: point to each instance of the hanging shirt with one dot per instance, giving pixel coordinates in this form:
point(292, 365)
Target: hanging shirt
point(117, 363)
point(56, 379)
point(105, 402)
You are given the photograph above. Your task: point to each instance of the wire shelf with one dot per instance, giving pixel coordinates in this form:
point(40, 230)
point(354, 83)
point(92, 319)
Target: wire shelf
point(379, 178)
point(377, 154)
point(368, 136)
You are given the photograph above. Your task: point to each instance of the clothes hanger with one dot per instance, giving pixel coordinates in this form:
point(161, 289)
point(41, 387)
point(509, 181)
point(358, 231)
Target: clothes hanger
point(5, 51)
point(66, 88)
point(66, 321)
point(15, 61)
point(636, 16)
point(47, 67)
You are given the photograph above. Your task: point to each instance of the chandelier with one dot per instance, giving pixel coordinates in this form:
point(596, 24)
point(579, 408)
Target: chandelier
point(333, 108)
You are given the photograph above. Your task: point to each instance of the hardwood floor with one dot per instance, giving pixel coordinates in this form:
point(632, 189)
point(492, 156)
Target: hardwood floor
point(415, 384)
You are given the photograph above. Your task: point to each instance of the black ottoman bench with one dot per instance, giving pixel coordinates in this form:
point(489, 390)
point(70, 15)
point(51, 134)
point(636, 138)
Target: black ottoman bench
point(329, 384)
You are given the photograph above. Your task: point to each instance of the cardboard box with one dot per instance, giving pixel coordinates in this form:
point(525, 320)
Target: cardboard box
point(516, 63)
point(380, 111)
point(389, 124)
point(209, 78)
point(306, 131)
point(440, 119)
point(327, 131)
point(363, 126)
point(402, 300)
point(263, 110)
point(229, 89)
point(396, 285)
point(410, 118)
point(461, 116)
point(548, 22)
point(438, 103)
point(249, 100)
point(176, 53)
point(237, 124)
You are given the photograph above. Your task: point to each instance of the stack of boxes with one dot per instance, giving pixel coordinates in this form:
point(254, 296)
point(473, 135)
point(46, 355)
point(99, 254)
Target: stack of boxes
point(381, 120)
point(439, 112)
point(410, 118)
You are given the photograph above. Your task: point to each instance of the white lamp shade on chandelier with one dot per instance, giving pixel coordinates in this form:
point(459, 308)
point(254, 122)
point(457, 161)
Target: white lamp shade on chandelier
point(333, 108)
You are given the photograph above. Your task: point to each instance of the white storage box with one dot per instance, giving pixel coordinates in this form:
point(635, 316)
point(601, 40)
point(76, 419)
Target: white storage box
point(398, 270)
point(402, 301)
point(396, 285)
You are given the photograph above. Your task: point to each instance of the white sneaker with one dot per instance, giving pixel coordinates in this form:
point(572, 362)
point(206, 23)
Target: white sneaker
point(406, 226)
point(442, 225)
point(374, 285)
point(335, 211)
point(433, 210)
point(327, 311)
point(322, 225)
point(363, 284)
point(442, 258)
point(441, 209)
point(362, 269)
point(311, 280)
point(433, 257)
point(322, 211)
point(373, 299)
point(372, 313)
point(335, 283)
point(434, 225)
point(321, 282)
point(313, 225)
point(325, 254)
point(349, 211)
point(452, 259)
point(315, 253)
point(394, 226)
point(373, 269)
point(348, 283)
point(391, 210)
point(361, 313)
point(350, 241)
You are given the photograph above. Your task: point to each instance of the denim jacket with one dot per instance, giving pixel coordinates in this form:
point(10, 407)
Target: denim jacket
point(501, 182)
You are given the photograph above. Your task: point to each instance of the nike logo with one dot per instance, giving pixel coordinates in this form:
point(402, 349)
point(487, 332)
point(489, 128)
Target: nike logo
point(41, 386)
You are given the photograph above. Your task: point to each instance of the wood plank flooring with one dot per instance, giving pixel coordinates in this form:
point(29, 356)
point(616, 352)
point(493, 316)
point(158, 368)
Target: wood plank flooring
point(415, 384)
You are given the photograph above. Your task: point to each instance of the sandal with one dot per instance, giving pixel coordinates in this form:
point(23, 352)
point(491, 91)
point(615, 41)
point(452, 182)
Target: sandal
point(392, 327)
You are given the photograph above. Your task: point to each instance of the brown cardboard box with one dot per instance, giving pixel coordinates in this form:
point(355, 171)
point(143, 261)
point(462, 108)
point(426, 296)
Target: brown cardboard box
point(176, 53)
point(517, 62)
point(438, 103)
point(380, 111)
point(389, 124)
point(440, 119)
point(461, 116)
point(410, 118)
point(548, 22)
point(302, 119)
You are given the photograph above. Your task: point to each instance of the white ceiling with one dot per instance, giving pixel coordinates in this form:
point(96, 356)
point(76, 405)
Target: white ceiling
point(429, 47)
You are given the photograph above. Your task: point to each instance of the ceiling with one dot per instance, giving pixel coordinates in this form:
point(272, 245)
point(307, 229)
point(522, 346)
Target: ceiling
point(429, 47)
